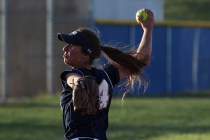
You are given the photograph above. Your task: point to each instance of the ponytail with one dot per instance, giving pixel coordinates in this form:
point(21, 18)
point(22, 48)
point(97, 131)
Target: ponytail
point(130, 64)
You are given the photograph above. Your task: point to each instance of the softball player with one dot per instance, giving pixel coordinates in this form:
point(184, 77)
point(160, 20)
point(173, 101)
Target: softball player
point(81, 49)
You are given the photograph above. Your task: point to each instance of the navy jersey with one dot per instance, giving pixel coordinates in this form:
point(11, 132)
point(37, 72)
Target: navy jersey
point(78, 125)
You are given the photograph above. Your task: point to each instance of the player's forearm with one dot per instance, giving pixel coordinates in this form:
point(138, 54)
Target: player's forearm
point(145, 47)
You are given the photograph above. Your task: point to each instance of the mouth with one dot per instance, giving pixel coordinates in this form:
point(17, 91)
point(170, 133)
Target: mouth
point(65, 55)
point(65, 60)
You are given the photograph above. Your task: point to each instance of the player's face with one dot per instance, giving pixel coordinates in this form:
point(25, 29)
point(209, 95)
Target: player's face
point(73, 56)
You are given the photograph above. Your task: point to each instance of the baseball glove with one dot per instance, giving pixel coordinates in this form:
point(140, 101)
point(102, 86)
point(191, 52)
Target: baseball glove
point(85, 96)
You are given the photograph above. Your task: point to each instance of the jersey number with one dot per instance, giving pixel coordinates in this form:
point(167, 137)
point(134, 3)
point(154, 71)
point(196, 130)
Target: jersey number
point(103, 94)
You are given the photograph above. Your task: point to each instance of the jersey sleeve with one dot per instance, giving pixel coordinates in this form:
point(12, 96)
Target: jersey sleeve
point(64, 74)
point(112, 72)
point(70, 71)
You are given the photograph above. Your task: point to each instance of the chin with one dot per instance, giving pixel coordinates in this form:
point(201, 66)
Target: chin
point(70, 65)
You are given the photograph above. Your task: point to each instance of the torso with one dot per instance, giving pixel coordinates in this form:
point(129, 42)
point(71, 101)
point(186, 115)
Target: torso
point(78, 125)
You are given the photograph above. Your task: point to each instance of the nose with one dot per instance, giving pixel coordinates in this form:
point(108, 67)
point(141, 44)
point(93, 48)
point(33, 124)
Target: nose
point(65, 48)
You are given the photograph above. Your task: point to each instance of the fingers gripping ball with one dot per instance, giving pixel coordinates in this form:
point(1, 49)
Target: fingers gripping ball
point(142, 14)
point(85, 96)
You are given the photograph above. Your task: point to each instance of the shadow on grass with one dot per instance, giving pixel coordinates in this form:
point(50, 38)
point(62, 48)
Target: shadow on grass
point(151, 131)
point(31, 105)
point(201, 94)
point(32, 130)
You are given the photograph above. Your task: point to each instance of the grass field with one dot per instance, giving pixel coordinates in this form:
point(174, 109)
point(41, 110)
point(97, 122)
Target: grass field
point(179, 118)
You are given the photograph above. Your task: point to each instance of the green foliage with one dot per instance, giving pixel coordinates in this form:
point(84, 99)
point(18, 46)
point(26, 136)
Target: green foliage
point(187, 10)
point(146, 118)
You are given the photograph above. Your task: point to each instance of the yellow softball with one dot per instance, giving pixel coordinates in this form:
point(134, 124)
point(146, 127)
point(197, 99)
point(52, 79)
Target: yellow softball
point(141, 14)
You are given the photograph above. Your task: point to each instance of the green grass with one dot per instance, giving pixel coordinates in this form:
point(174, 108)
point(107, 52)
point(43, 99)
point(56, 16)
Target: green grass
point(178, 118)
point(160, 119)
point(187, 10)
point(37, 119)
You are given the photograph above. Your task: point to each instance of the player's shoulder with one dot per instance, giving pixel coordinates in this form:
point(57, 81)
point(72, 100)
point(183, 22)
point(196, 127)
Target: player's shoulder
point(71, 71)
point(112, 72)
point(109, 67)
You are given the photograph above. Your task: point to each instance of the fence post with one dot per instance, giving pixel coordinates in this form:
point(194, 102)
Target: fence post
point(195, 59)
point(3, 58)
point(132, 35)
point(168, 59)
point(50, 46)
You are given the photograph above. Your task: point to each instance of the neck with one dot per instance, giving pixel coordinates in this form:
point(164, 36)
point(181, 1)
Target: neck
point(87, 67)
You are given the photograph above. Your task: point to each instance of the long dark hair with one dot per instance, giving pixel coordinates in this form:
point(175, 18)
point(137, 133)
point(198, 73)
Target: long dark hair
point(131, 65)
